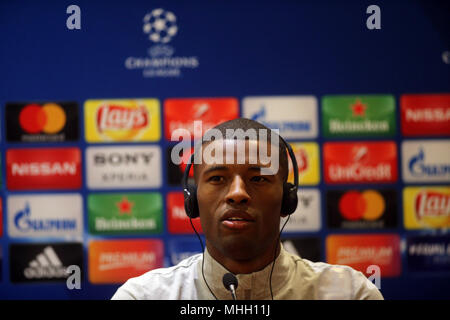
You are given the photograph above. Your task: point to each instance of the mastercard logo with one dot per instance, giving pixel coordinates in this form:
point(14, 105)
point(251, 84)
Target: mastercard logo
point(49, 118)
point(367, 205)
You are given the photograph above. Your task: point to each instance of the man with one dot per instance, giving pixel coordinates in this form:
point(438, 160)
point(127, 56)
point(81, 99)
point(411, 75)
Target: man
point(240, 206)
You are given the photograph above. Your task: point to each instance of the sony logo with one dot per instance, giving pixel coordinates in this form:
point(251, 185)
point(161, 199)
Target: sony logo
point(116, 158)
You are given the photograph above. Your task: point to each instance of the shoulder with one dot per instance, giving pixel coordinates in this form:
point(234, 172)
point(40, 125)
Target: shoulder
point(326, 281)
point(330, 278)
point(176, 282)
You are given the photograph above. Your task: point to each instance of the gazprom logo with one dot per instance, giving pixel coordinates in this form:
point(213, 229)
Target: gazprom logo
point(419, 168)
point(260, 116)
point(25, 223)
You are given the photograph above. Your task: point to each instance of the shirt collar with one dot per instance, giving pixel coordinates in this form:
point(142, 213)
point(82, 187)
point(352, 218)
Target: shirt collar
point(255, 285)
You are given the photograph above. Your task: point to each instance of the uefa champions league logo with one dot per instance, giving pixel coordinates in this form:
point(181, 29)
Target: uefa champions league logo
point(160, 25)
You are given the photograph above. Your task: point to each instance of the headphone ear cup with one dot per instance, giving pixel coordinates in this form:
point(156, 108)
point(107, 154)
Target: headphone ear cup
point(190, 202)
point(290, 199)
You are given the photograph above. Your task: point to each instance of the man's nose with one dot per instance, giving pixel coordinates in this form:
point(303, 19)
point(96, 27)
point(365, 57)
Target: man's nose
point(237, 194)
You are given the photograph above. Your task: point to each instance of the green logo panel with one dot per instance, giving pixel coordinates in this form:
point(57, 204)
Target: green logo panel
point(125, 213)
point(358, 116)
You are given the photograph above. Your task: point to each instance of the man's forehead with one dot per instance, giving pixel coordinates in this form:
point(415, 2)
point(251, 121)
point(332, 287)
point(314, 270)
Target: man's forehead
point(250, 155)
point(252, 149)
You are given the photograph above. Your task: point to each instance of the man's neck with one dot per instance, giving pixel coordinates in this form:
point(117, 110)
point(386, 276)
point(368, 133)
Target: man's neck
point(245, 266)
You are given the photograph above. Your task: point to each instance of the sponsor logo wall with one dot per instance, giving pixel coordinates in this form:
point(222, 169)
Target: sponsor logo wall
point(374, 182)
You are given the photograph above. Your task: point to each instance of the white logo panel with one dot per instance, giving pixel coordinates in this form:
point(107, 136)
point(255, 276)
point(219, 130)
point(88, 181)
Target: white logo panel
point(123, 167)
point(426, 161)
point(46, 215)
point(295, 116)
point(307, 215)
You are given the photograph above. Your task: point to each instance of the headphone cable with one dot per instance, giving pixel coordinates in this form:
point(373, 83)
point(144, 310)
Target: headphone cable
point(203, 258)
point(275, 255)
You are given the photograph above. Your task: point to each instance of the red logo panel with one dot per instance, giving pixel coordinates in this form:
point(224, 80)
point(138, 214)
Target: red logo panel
point(360, 162)
point(178, 221)
point(181, 113)
point(361, 251)
point(425, 115)
point(43, 169)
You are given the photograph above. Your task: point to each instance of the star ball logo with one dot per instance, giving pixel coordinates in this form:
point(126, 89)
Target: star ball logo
point(160, 27)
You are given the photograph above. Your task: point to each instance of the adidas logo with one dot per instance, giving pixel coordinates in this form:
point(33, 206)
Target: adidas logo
point(47, 265)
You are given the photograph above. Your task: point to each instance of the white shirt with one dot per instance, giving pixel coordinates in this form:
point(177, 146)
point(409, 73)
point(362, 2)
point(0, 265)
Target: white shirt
point(293, 278)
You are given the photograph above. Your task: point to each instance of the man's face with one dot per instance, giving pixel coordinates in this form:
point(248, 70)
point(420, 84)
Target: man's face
point(239, 207)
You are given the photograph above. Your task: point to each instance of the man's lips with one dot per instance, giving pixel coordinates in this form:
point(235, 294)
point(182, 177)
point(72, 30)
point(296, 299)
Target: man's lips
point(237, 219)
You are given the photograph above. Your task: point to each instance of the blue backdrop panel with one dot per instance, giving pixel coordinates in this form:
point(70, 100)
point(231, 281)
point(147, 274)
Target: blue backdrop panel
point(241, 48)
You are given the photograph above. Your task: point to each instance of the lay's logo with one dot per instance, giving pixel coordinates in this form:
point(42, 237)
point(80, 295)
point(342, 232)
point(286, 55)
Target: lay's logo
point(122, 120)
point(116, 117)
point(432, 204)
point(426, 207)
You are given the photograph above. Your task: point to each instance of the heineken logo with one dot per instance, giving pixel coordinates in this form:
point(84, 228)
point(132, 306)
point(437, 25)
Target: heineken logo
point(130, 213)
point(372, 115)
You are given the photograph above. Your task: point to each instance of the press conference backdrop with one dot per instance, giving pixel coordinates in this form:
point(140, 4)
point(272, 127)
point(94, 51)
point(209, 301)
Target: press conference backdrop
point(90, 96)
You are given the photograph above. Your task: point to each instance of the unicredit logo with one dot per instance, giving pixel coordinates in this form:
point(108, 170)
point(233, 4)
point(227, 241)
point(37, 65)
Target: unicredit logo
point(360, 162)
point(115, 117)
point(357, 172)
point(39, 169)
point(49, 118)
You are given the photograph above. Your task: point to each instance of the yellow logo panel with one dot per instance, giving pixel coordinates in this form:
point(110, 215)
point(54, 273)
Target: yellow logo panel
point(122, 120)
point(307, 155)
point(426, 207)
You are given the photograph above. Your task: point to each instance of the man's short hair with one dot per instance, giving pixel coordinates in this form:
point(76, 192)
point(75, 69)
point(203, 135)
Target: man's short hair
point(246, 124)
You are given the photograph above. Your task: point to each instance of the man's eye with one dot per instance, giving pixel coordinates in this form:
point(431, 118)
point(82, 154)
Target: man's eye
point(258, 179)
point(216, 179)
